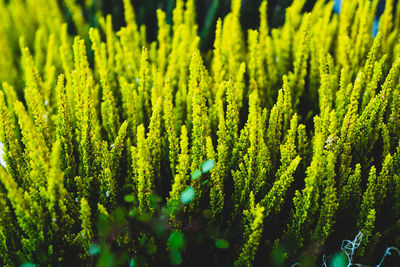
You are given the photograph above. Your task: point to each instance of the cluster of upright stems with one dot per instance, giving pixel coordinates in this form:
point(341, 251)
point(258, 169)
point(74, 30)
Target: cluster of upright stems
point(302, 122)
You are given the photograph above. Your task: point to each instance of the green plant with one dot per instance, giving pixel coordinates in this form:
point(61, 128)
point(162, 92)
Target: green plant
point(272, 147)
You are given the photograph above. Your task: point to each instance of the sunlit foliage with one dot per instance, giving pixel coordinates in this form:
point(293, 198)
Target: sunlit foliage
point(272, 147)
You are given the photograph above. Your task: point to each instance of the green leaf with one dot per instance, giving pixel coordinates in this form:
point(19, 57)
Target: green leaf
point(207, 166)
point(129, 198)
point(133, 212)
point(106, 259)
point(154, 200)
point(103, 226)
point(132, 262)
point(175, 240)
point(196, 174)
point(142, 240)
point(187, 195)
point(151, 248)
point(222, 244)
point(278, 256)
point(176, 257)
point(144, 217)
point(28, 264)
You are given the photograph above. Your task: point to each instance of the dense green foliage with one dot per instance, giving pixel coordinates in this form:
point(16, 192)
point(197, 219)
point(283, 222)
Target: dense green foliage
point(268, 149)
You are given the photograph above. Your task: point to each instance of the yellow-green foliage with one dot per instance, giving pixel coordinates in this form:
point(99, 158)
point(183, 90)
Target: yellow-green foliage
point(280, 138)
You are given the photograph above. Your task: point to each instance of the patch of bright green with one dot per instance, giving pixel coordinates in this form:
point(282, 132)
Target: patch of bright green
point(129, 198)
point(187, 195)
point(222, 244)
point(106, 260)
point(175, 240)
point(28, 264)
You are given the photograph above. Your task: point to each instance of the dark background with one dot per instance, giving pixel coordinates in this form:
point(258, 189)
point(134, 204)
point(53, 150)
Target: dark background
point(208, 11)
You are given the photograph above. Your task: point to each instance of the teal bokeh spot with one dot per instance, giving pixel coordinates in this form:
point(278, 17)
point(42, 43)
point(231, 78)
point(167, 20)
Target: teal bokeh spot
point(338, 260)
point(187, 195)
point(196, 174)
point(94, 249)
point(132, 262)
point(207, 165)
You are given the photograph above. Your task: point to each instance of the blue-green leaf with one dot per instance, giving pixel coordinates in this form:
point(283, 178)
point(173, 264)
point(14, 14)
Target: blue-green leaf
point(339, 260)
point(132, 262)
point(207, 166)
point(196, 174)
point(94, 249)
point(187, 195)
